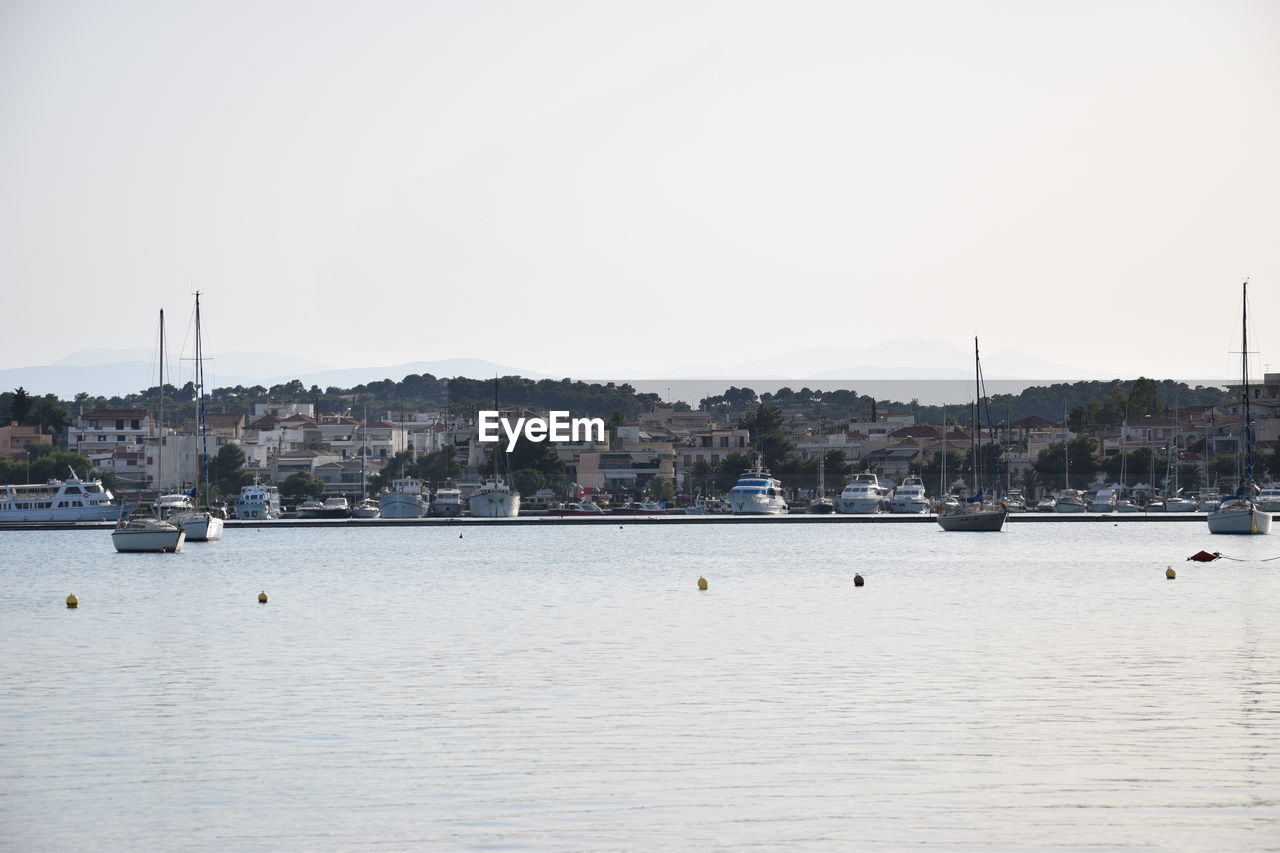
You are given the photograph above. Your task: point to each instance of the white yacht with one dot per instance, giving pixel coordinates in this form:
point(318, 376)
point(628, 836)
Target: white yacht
point(258, 503)
point(1015, 501)
point(1269, 498)
point(1047, 504)
point(406, 499)
point(147, 534)
point(757, 492)
point(447, 502)
point(1181, 503)
point(909, 497)
point(495, 499)
point(71, 499)
point(863, 495)
point(167, 505)
point(1104, 500)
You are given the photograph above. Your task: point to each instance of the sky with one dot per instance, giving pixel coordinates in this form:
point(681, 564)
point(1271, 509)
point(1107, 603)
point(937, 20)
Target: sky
point(641, 189)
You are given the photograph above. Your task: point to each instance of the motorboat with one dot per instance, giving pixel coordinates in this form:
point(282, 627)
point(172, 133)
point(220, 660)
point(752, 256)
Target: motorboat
point(144, 533)
point(67, 500)
point(334, 508)
point(1048, 503)
point(258, 503)
point(1069, 500)
point(495, 499)
point(575, 508)
point(167, 505)
point(1015, 501)
point(909, 497)
point(1210, 502)
point(447, 502)
point(862, 496)
point(1269, 498)
point(407, 498)
point(367, 508)
point(758, 492)
point(1243, 513)
point(1125, 505)
point(640, 508)
point(1104, 500)
point(1181, 503)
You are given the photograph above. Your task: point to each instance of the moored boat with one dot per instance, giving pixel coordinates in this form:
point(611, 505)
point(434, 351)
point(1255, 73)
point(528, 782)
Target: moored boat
point(758, 492)
point(1243, 514)
point(405, 499)
point(575, 508)
point(68, 500)
point(258, 503)
point(144, 533)
point(909, 497)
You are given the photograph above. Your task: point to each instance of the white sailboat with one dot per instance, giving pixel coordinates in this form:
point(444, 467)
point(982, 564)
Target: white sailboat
point(1242, 513)
point(202, 525)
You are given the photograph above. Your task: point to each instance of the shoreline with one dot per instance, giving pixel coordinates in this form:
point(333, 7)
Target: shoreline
point(724, 518)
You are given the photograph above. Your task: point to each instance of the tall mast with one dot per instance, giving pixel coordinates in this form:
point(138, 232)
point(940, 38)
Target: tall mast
point(204, 429)
point(1244, 373)
point(160, 445)
point(974, 443)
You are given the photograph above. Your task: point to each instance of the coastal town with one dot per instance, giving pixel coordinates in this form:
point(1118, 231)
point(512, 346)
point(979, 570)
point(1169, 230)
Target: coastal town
point(675, 453)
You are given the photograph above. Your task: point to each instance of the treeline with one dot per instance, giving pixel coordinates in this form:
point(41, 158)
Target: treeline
point(1087, 404)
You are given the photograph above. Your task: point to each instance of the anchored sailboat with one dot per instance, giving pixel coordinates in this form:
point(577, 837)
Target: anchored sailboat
point(977, 513)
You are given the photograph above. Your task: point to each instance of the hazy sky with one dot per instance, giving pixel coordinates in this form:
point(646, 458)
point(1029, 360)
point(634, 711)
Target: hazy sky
point(604, 187)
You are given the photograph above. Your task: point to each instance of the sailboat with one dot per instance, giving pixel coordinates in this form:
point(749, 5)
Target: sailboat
point(496, 499)
point(822, 505)
point(1242, 514)
point(202, 525)
point(141, 529)
point(976, 513)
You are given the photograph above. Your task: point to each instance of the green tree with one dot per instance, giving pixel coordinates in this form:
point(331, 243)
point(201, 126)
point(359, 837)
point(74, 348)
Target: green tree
point(1144, 399)
point(226, 470)
point(1222, 467)
point(302, 484)
point(527, 481)
point(20, 405)
point(1190, 476)
point(730, 469)
point(660, 489)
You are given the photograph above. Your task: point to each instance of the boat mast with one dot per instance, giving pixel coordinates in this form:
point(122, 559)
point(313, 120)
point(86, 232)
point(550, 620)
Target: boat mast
point(204, 428)
point(975, 442)
point(1244, 373)
point(160, 444)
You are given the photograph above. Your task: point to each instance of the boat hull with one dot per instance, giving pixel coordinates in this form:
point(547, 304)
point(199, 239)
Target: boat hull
point(1236, 519)
point(750, 504)
point(979, 521)
point(859, 506)
point(446, 510)
point(201, 527)
point(148, 541)
point(402, 506)
point(912, 506)
point(495, 505)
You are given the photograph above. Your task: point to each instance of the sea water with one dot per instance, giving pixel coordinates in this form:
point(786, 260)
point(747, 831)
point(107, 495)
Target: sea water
point(569, 687)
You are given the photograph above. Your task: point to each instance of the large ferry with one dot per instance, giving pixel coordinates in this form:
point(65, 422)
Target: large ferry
point(71, 499)
point(258, 502)
point(758, 492)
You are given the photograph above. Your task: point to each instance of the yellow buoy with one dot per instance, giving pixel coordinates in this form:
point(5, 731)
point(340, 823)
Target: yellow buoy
point(702, 583)
point(262, 598)
point(72, 601)
point(857, 580)
point(1170, 573)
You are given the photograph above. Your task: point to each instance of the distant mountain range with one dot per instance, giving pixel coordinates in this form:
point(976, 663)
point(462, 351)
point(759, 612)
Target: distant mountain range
point(928, 370)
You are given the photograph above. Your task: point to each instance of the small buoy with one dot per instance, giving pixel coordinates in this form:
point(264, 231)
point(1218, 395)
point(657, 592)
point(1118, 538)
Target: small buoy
point(1170, 573)
point(857, 580)
point(702, 583)
point(72, 601)
point(262, 597)
point(459, 535)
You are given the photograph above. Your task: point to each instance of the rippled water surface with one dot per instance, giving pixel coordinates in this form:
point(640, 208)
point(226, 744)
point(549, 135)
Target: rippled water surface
point(569, 687)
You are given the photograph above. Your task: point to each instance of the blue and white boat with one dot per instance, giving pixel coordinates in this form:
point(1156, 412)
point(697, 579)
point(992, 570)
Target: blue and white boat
point(757, 492)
